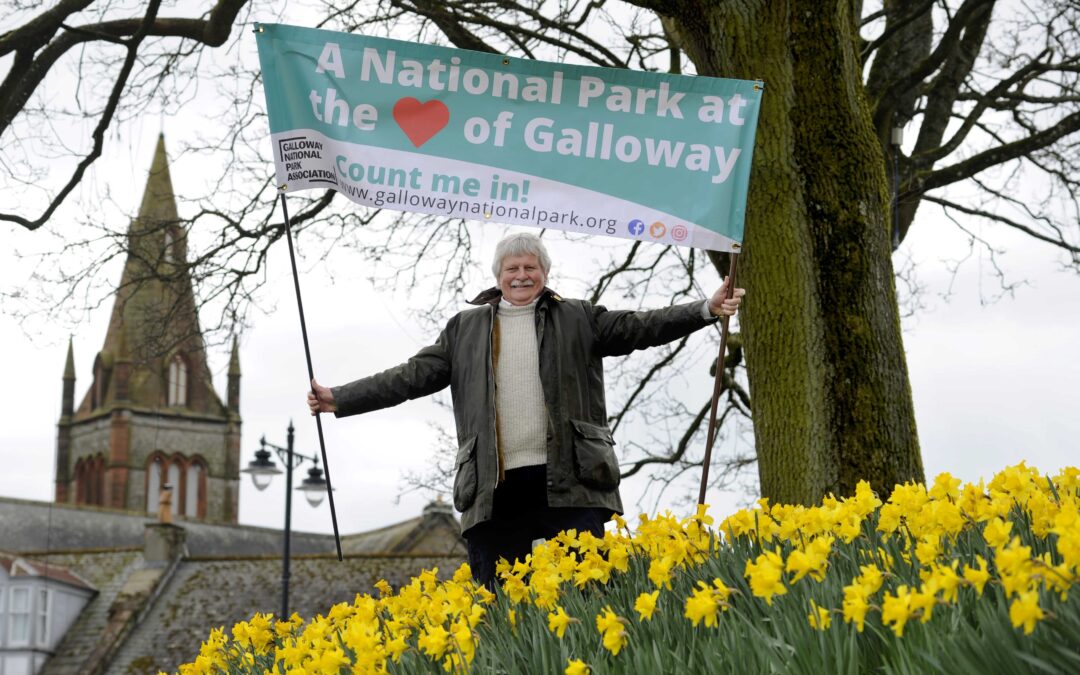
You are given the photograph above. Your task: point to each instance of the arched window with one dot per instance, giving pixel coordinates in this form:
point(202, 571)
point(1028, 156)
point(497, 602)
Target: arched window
point(80, 482)
point(178, 377)
point(99, 478)
point(90, 475)
point(194, 483)
point(169, 243)
point(153, 484)
point(90, 480)
point(174, 481)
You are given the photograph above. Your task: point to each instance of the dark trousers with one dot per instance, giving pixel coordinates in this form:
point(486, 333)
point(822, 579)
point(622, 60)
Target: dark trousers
point(521, 515)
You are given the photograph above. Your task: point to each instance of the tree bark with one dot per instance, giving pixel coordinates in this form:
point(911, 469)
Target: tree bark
point(830, 393)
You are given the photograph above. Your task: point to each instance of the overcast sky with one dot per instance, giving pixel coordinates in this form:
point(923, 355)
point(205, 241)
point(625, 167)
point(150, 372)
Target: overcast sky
point(993, 384)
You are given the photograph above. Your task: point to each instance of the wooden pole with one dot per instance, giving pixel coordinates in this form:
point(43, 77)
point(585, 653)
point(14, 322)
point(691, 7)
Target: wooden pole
point(718, 382)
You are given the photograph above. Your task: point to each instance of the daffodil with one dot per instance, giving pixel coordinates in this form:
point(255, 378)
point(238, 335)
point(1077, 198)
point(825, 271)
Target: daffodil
point(855, 605)
point(896, 610)
point(945, 579)
point(463, 574)
point(945, 487)
point(660, 573)
point(396, 647)
point(996, 532)
point(702, 605)
point(611, 628)
point(577, 667)
point(977, 576)
point(330, 660)
point(434, 641)
point(819, 617)
point(558, 621)
point(1025, 611)
point(766, 576)
point(645, 605)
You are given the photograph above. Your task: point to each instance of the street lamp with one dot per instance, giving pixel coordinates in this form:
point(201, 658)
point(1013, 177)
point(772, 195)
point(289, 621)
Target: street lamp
point(263, 469)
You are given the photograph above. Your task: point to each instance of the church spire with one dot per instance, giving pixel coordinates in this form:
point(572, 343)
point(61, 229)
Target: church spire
point(63, 427)
point(159, 201)
point(233, 395)
point(154, 331)
point(68, 402)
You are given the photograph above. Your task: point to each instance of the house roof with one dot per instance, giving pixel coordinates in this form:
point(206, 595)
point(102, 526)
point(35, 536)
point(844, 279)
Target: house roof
point(194, 602)
point(434, 531)
point(16, 566)
point(150, 616)
point(41, 527)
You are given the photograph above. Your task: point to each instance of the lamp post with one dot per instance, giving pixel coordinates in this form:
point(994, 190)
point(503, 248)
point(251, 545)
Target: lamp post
point(263, 469)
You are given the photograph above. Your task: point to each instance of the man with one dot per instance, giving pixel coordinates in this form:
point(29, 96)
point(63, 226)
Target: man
point(526, 374)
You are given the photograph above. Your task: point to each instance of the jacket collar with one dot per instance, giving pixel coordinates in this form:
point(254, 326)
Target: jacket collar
point(492, 296)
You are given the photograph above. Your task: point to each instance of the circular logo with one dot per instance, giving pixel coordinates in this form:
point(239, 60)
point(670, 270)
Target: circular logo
point(657, 230)
point(636, 227)
point(679, 233)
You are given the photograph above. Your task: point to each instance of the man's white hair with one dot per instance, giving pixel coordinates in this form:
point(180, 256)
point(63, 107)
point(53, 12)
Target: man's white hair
point(522, 243)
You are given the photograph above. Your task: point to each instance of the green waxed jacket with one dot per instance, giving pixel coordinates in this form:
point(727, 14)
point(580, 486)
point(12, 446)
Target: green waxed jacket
point(573, 336)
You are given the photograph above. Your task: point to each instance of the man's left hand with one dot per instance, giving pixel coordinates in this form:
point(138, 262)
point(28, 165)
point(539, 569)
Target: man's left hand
point(721, 305)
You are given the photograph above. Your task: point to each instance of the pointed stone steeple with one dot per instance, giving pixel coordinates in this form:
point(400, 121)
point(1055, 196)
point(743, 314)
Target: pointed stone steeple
point(233, 394)
point(151, 414)
point(63, 428)
point(67, 406)
point(159, 201)
point(154, 318)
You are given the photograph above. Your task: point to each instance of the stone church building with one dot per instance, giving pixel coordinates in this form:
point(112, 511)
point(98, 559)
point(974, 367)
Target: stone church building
point(94, 582)
point(150, 415)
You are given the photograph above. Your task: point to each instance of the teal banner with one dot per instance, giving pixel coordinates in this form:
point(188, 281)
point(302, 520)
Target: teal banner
point(412, 127)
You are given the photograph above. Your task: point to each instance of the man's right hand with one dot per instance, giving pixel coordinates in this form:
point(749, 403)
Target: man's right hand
point(320, 399)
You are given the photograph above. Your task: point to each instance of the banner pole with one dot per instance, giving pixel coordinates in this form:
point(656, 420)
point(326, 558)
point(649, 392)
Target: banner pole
point(718, 382)
point(311, 372)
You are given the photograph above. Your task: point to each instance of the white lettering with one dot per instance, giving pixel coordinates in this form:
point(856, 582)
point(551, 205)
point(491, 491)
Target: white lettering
point(330, 59)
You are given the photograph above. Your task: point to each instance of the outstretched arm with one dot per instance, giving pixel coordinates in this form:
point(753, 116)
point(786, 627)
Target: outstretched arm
point(425, 373)
point(620, 332)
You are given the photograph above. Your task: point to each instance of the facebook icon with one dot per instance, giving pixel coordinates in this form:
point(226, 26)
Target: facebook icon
point(636, 227)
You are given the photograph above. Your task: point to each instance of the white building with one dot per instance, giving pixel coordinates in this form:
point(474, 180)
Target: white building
point(38, 603)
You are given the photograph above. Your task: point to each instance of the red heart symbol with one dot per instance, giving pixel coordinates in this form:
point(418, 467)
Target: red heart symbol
point(420, 121)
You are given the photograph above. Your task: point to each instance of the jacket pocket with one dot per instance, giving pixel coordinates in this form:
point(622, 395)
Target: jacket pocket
point(595, 465)
point(465, 480)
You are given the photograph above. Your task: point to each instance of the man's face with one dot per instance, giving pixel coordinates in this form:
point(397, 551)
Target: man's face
point(521, 279)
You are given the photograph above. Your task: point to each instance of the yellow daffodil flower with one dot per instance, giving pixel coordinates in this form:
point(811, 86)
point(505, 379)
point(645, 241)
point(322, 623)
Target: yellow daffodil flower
point(897, 609)
point(766, 576)
point(577, 667)
point(645, 605)
point(1025, 611)
point(819, 617)
point(558, 622)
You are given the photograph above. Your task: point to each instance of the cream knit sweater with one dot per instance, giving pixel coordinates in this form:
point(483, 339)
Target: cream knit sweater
point(519, 395)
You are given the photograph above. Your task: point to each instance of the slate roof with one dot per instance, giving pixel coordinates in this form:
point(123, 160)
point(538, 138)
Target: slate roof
point(37, 527)
point(24, 567)
point(204, 594)
point(150, 615)
point(427, 533)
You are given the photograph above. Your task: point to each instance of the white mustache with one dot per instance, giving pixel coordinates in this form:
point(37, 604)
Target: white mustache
point(522, 284)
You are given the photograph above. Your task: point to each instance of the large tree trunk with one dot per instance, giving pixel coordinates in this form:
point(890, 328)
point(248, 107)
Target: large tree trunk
point(831, 398)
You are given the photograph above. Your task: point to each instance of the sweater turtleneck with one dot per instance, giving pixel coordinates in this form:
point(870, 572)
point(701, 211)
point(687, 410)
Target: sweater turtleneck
point(519, 394)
